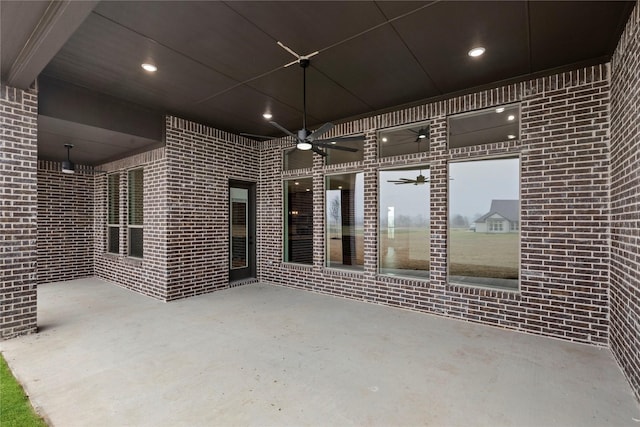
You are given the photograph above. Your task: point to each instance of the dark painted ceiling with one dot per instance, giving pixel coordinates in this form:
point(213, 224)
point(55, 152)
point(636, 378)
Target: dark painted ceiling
point(219, 62)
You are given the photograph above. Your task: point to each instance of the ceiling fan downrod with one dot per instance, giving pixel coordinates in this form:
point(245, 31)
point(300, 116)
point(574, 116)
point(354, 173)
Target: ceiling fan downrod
point(303, 133)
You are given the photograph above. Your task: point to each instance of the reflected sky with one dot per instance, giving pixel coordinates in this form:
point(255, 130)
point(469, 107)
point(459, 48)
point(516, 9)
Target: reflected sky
point(474, 184)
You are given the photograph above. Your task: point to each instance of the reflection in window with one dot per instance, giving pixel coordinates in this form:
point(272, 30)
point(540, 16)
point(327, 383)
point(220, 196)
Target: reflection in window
point(404, 140)
point(238, 232)
point(113, 213)
point(335, 155)
point(404, 222)
point(496, 124)
point(298, 232)
point(136, 212)
point(484, 219)
point(344, 200)
point(297, 159)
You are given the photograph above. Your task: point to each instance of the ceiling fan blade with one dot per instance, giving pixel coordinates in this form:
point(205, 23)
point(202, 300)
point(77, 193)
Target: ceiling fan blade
point(319, 151)
point(335, 147)
point(252, 135)
point(402, 181)
point(342, 139)
point(288, 132)
point(288, 50)
point(321, 130)
point(407, 182)
point(310, 55)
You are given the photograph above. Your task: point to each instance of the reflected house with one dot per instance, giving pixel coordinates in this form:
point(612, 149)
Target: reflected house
point(501, 218)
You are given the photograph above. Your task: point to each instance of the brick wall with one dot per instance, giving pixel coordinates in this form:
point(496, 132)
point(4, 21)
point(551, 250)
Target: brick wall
point(564, 217)
point(147, 276)
point(625, 202)
point(65, 223)
point(18, 218)
point(201, 161)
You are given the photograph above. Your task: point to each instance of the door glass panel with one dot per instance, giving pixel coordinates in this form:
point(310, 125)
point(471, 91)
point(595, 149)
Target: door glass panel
point(239, 227)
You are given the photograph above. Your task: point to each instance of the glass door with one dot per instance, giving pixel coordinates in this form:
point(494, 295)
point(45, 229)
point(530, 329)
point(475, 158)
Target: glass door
point(241, 230)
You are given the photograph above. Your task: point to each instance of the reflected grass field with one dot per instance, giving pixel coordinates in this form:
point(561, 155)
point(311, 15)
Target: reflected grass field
point(471, 254)
point(483, 254)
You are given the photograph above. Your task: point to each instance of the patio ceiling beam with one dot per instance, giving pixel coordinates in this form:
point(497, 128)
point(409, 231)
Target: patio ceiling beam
point(57, 24)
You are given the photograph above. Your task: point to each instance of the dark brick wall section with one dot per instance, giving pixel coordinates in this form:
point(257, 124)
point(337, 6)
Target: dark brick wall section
point(625, 202)
point(565, 231)
point(201, 161)
point(65, 223)
point(18, 217)
point(148, 275)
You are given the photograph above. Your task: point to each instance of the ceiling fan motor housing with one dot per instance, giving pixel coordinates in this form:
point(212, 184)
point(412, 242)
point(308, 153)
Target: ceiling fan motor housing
point(303, 134)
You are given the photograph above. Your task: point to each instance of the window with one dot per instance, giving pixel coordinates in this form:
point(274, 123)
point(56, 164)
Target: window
point(496, 124)
point(136, 215)
point(113, 213)
point(484, 217)
point(404, 140)
point(298, 220)
point(404, 222)
point(336, 156)
point(344, 200)
point(297, 159)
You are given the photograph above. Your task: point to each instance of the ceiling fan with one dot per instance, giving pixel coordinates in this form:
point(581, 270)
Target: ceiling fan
point(67, 165)
point(421, 134)
point(304, 138)
point(420, 180)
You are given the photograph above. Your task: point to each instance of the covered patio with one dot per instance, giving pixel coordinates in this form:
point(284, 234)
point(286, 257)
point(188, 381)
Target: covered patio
point(269, 355)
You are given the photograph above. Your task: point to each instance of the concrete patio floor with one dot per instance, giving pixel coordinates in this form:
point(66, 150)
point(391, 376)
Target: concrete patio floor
point(273, 356)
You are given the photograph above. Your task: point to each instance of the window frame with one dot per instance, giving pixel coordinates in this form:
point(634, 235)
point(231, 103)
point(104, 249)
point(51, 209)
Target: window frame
point(285, 219)
point(420, 124)
point(480, 111)
point(111, 225)
point(511, 155)
point(325, 243)
point(129, 213)
point(419, 165)
point(326, 158)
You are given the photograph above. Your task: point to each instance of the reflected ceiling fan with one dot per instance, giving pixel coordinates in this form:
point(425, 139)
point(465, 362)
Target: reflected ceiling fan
point(306, 139)
point(420, 180)
point(421, 134)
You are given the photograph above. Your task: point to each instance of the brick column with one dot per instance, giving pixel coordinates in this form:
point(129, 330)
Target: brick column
point(18, 216)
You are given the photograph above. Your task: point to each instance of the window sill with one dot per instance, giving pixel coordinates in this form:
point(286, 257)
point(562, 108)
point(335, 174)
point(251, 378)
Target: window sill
point(483, 289)
point(133, 260)
point(296, 265)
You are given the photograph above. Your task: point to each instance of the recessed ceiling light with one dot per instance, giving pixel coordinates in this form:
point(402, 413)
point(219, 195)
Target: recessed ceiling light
point(511, 117)
point(150, 67)
point(511, 136)
point(339, 187)
point(267, 116)
point(296, 183)
point(500, 110)
point(308, 189)
point(384, 139)
point(333, 143)
point(476, 51)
